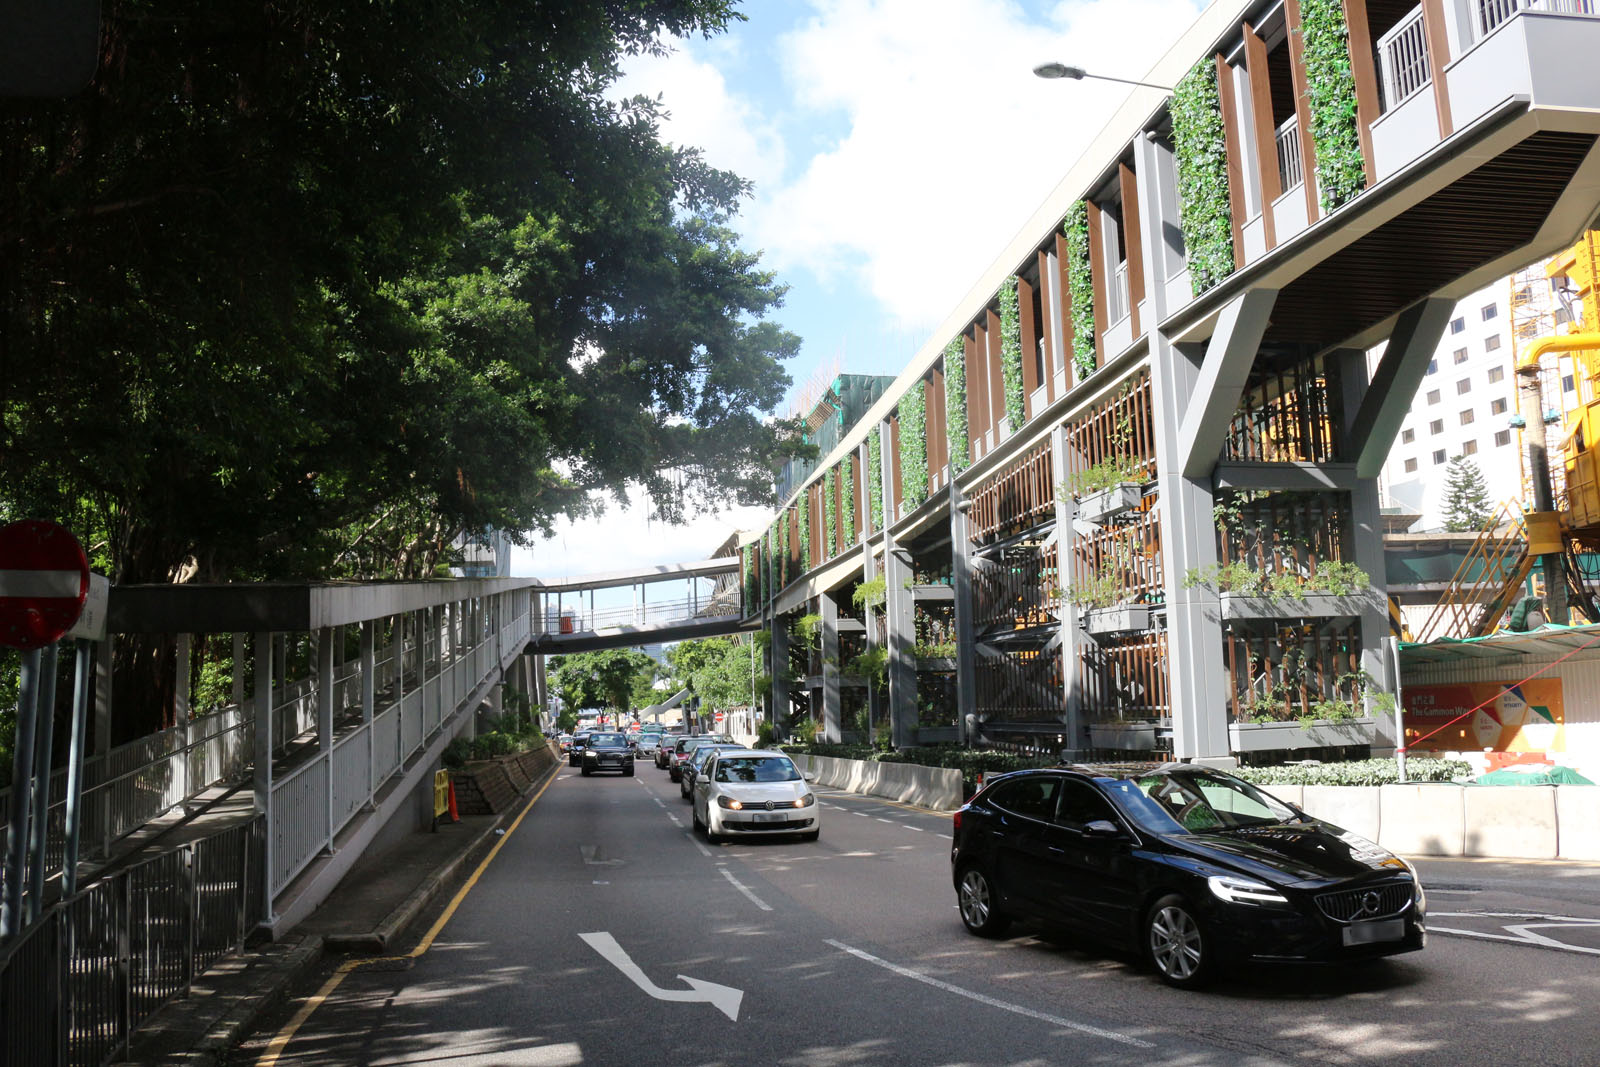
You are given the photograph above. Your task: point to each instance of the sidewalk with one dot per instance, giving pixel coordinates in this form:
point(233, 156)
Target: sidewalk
point(368, 913)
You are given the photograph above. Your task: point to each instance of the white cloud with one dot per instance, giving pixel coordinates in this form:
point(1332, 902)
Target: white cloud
point(952, 142)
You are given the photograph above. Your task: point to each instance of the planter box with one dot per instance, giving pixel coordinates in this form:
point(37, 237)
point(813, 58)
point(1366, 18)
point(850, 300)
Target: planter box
point(1117, 619)
point(1275, 736)
point(1123, 736)
point(1309, 606)
point(1106, 504)
point(936, 663)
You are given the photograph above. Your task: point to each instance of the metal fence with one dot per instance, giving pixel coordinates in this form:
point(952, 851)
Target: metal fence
point(1291, 172)
point(1491, 13)
point(1403, 58)
point(82, 979)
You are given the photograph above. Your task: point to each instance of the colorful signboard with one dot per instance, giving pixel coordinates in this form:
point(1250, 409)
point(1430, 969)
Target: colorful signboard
point(1526, 717)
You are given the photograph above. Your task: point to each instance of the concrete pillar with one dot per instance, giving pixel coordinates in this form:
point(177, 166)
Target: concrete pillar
point(369, 701)
point(237, 690)
point(900, 613)
point(966, 632)
point(778, 711)
point(832, 697)
point(1074, 728)
point(182, 708)
point(262, 774)
point(325, 712)
point(876, 709)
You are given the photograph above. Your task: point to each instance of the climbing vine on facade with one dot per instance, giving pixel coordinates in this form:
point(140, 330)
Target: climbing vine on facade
point(955, 404)
point(847, 498)
point(830, 541)
point(1080, 282)
point(1201, 157)
point(1331, 102)
point(1011, 352)
point(750, 588)
point(803, 502)
point(914, 445)
point(875, 477)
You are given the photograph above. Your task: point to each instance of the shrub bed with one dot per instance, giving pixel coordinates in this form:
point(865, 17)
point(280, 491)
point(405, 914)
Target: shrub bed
point(1356, 772)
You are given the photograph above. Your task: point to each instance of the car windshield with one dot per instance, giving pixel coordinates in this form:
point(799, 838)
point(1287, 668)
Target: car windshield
point(1197, 802)
point(756, 769)
point(598, 740)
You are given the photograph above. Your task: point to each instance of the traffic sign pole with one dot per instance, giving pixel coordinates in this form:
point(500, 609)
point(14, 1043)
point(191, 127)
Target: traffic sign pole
point(21, 775)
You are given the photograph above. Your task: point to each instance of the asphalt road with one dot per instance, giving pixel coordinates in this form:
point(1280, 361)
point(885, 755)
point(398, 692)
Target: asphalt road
point(606, 932)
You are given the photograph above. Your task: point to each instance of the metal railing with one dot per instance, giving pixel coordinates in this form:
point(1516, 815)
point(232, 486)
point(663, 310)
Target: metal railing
point(1291, 172)
point(1403, 59)
point(1491, 13)
point(76, 984)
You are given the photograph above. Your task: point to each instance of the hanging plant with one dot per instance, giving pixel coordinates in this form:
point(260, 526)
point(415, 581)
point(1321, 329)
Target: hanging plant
point(1200, 155)
point(914, 445)
point(1011, 351)
point(1080, 282)
point(750, 589)
point(847, 497)
point(955, 404)
point(1331, 102)
point(875, 476)
point(805, 530)
point(830, 542)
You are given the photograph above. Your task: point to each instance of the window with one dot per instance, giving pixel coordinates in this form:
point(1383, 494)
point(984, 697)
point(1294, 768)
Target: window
point(1411, 466)
point(1502, 437)
point(1407, 436)
point(1080, 805)
point(1436, 426)
point(1461, 355)
point(1497, 407)
point(1433, 396)
point(1458, 324)
point(1438, 458)
point(1567, 384)
point(1433, 365)
point(1464, 386)
point(1467, 417)
point(1491, 343)
point(1496, 374)
point(1033, 796)
point(1469, 448)
point(1490, 311)
point(1563, 315)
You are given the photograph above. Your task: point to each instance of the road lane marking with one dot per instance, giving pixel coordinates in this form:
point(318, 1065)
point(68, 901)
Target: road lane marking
point(1054, 1020)
point(741, 887)
point(918, 829)
point(882, 819)
point(725, 999)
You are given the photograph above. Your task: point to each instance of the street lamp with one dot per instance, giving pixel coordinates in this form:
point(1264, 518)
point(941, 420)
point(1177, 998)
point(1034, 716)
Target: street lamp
point(1061, 70)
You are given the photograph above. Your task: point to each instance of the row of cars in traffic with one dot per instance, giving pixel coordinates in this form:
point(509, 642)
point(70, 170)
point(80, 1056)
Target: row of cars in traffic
point(733, 791)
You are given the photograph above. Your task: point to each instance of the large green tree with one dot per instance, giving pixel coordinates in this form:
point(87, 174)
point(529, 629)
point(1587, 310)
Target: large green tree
point(1466, 496)
point(610, 678)
point(301, 290)
point(724, 672)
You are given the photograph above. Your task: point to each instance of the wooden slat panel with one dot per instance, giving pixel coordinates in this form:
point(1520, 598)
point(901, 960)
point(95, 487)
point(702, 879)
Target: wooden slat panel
point(1030, 346)
point(1100, 271)
point(977, 347)
point(1133, 246)
point(1302, 93)
point(1364, 68)
point(997, 385)
point(1262, 128)
point(1234, 148)
point(1438, 55)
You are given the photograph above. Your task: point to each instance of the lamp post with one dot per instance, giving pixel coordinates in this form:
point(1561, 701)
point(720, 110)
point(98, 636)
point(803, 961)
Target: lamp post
point(1054, 70)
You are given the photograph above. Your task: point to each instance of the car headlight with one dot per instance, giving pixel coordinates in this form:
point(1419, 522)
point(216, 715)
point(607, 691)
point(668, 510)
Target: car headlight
point(806, 801)
point(729, 802)
point(1237, 890)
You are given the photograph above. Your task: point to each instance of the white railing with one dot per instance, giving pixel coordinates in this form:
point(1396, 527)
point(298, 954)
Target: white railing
point(1290, 170)
point(1403, 59)
point(1491, 13)
point(352, 783)
point(1117, 295)
point(297, 823)
point(386, 743)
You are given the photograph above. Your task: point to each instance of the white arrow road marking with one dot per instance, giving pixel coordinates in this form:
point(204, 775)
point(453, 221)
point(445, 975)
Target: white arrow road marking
point(725, 999)
point(591, 856)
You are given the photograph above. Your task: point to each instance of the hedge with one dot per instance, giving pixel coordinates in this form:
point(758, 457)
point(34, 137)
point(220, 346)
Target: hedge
point(1331, 102)
point(914, 445)
point(1080, 283)
point(1011, 351)
point(1201, 157)
point(1356, 772)
point(875, 476)
point(955, 404)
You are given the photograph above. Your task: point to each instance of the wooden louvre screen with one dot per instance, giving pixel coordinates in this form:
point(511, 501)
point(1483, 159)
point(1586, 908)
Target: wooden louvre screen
point(1129, 555)
point(1126, 679)
point(1019, 590)
point(1018, 498)
point(1020, 687)
point(1119, 426)
point(1289, 418)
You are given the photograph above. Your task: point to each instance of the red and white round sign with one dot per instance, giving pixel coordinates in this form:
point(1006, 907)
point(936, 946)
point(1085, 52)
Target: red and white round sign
point(44, 580)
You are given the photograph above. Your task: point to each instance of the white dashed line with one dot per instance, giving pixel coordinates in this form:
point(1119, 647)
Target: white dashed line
point(741, 887)
point(889, 821)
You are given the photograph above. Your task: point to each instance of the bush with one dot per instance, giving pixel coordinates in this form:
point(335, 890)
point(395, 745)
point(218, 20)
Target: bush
point(969, 761)
point(764, 735)
point(1356, 772)
point(489, 745)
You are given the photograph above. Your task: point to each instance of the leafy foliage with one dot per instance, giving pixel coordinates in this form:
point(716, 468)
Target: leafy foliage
point(1356, 772)
point(847, 499)
point(875, 475)
point(615, 679)
point(870, 594)
point(830, 533)
point(1201, 157)
point(752, 591)
point(1080, 284)
point(721, 671)
point(1331, 102)
point(805, 530)
point(351, 283)
point(914, 446)
point(1011, 352)
point(1333, 577)
point(1466, 496)
point(955, 405)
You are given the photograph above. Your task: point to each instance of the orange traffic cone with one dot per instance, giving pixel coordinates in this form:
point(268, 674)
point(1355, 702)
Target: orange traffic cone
point(455, 816)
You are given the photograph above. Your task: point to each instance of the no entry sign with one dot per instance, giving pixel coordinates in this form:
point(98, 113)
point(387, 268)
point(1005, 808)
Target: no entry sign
point(44, 578)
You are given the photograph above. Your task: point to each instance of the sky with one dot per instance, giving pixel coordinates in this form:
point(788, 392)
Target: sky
point(896, 147)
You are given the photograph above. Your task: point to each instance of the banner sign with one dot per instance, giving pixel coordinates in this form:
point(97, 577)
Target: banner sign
point(1528, 717)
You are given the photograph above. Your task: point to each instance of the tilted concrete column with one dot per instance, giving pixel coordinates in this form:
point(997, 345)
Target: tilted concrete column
point(369, 700)
point(778, 665)
point(966, 632)
point(876, 710)
point(262, 776)
point(901, 614)
point(832, 701)
point(1073, 725)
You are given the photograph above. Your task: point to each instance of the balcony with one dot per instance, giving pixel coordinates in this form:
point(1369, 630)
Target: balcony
point(1289, 214)
point(1119, 324)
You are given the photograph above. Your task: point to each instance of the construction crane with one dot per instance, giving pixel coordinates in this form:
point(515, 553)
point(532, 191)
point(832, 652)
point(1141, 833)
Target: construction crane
point(1565, 496)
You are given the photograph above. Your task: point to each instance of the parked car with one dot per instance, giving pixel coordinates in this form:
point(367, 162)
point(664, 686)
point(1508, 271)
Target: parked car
point(607, 751)
point(740, 791)
point(1192, 867)
point(697, 759)
point(575, 750)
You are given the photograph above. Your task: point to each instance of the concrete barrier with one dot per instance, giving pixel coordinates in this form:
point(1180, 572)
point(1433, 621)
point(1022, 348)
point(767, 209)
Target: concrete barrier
point(1355, 810)
point(1514, 821)
point(938, 788)
point(1422, 819)
point(1578, 822)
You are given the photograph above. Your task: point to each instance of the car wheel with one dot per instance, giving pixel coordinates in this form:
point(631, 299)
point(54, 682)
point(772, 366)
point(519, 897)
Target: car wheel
point(694, 817)
point(628, 771)
point(979, 904)
point(586, 772)
point(711, 835)
point(1176, 943)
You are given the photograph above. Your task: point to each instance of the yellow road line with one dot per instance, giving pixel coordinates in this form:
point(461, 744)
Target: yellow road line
point(280, 1041)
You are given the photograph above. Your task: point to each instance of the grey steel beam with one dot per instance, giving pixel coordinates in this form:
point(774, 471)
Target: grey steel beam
point(832, 695)
point(1301, 477)
point(900, 613)
point(1394, 384)
point(1214, 395)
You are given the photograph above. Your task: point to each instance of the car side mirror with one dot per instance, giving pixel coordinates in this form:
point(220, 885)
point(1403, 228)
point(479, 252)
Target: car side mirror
point(810, 776)
point(1102, 830)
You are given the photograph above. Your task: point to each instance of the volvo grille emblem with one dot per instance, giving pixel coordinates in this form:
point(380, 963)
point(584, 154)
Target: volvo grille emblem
point(1371, 902)
point(770, 805)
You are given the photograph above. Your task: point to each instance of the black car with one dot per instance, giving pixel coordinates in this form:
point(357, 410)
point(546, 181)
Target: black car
point(1192, 867)
point(575, 753)
point(696, 762)
point(607, 752)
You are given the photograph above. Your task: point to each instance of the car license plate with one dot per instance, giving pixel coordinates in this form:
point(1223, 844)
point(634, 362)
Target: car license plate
point(770, 816)
point(1373, 932)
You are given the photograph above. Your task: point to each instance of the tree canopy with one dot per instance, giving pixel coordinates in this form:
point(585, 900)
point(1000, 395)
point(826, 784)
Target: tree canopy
point(306, 290)
point(723, 672)
point(615, 679)
point(1466, 496)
